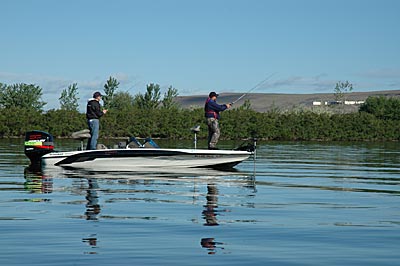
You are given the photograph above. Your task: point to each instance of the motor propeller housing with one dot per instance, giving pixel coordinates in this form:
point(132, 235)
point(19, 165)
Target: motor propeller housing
point(38, 143)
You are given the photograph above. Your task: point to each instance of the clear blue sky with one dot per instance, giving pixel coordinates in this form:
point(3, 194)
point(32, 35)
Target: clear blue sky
point(200, 46)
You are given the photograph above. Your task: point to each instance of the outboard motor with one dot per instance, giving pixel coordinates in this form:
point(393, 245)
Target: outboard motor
point(37, 144)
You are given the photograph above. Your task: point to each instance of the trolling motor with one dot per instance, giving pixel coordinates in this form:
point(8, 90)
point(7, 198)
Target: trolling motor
point(250, 147)
point(38, 143)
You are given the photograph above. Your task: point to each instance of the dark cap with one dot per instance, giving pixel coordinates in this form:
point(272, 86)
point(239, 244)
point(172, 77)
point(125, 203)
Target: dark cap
point(212, 94)
point(96, 94)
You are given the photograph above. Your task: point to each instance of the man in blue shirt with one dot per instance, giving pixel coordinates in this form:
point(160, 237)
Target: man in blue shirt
point(212, 110)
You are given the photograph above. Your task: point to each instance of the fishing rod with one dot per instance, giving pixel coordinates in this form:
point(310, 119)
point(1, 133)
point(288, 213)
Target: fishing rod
point(256, 86)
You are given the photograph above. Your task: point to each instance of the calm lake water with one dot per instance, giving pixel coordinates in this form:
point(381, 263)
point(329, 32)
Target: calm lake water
point(300, 204)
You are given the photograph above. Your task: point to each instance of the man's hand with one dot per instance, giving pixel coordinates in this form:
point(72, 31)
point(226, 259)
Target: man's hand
point(105, 111)
point(228, 105)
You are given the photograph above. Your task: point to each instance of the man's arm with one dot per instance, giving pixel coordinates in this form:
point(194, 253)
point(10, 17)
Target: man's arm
point(97, 111)
point(217, 107)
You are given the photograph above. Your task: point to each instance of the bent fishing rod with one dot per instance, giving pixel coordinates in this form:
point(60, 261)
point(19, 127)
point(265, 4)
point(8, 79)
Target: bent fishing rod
point(256, 86)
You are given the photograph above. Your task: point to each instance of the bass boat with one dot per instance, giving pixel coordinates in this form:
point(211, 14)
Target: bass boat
point(133, 156)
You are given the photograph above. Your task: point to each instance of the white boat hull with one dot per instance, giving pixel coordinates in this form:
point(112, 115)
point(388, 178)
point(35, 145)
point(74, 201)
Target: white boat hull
point(39, 148)
point(144, 159)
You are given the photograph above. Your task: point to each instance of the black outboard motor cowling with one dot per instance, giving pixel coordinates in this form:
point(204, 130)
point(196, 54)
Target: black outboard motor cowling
point(37, 144)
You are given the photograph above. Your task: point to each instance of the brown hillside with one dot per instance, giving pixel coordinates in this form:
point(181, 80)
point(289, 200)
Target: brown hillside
point(263, 102)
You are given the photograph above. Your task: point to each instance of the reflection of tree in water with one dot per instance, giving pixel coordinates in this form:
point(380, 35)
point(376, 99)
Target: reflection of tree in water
point(210, 211)
point(92, 204)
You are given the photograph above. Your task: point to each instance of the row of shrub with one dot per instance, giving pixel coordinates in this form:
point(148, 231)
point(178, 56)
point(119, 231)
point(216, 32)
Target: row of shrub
point(175, 123)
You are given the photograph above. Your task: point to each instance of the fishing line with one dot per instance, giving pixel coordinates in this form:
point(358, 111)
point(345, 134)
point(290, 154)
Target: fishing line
point(253, 88)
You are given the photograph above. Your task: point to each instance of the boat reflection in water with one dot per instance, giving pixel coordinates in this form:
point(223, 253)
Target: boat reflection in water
point(91, 184)
point(160, 173)
point(37, 182)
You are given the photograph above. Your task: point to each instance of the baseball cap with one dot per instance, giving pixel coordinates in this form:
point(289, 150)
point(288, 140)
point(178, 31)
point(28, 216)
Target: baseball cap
point(212, 94)
point(97, 94)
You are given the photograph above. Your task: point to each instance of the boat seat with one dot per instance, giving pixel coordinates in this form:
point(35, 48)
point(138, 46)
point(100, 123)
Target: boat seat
point(134, 143)
point(195, 129)
point(81, 135)
point(149, 143)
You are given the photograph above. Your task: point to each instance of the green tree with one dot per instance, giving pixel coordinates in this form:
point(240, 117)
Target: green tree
point(27, 96)
point(151, 99)
point(246, 105)
point(123, 101)
point(69, 98)
point(109, 89)
point(19, 120)
point(341, 89)
point(169, 96)
point(63, 122)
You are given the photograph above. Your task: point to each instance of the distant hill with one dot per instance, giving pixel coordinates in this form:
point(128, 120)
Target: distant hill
point(263, 102)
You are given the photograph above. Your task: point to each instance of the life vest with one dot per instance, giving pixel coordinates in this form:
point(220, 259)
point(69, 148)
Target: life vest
point(208, 110)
